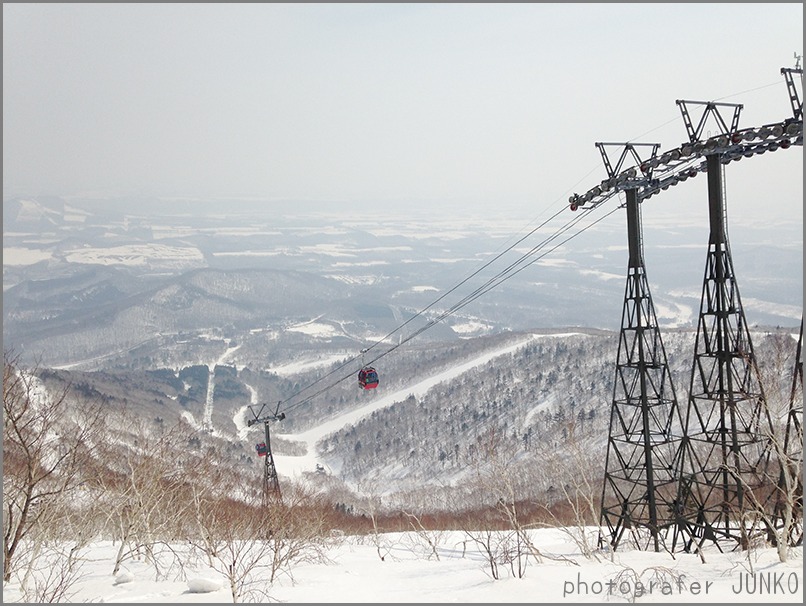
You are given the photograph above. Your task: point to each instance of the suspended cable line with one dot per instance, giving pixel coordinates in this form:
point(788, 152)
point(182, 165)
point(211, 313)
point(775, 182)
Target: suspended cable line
point(422, 311)
point(502, 276)
point(429, 306)
point(351, 360)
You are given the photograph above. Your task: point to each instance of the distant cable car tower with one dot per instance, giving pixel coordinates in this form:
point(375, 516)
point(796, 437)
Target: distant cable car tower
point(271, 484)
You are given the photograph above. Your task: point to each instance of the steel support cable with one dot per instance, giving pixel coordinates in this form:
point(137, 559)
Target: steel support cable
point(479, 423)
point(507, 274)
point(419, 313)
point(501, 277)
point(497, 279)
point(422, 311)
point(751, 90)
point(464, 281)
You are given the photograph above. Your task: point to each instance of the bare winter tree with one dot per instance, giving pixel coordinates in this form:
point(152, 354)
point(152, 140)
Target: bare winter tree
point(251, 543)
point(429, 537)
point(494, 464)
point(49, 440)
point(146, 488)
point(299, 530)
point(575, 508)
point(370, 506)
point(778, 502)
point(55, 553)
point(235, 541)
point(503, 530)
point(208, 514)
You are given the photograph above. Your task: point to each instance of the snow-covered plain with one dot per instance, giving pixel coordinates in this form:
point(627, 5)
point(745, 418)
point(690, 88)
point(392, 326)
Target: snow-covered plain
point(455, 572)
point(137, 255)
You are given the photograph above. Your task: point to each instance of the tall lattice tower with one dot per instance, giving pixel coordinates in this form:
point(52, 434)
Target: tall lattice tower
point(641, 468)
point(727, 477)
point(728, 425)
point(271, 483)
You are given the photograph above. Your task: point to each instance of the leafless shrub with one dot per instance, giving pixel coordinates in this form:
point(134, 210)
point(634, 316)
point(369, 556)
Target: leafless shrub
point(146, 491)
point(49, 441)
point(234, 538)
point(51, 574)
point(502, 531)
point(488, 543)
point(426, 537)
point(299, 531)
point(251, 543)
point(370, 506)
point(576, 506)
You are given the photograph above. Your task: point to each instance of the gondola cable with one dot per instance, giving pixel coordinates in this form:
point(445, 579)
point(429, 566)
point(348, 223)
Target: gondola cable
point(351, 360)
point(489, 285)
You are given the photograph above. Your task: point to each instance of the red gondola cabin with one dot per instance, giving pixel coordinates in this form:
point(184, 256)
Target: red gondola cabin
point(368, 378)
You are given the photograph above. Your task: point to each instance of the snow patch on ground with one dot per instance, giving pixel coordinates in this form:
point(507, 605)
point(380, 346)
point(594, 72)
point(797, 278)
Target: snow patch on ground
point(18, 256)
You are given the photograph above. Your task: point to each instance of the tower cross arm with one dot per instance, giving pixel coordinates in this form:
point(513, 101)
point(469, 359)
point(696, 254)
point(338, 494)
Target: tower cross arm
point(711, 108)
point(256, 418)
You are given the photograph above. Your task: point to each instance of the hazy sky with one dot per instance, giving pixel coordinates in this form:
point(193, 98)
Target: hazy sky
point(377, 103)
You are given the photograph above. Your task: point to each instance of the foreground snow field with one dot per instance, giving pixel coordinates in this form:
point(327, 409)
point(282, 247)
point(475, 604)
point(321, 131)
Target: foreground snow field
point(456, 572)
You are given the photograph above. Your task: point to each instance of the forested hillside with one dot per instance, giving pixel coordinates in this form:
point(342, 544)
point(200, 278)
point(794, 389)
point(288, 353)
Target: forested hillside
point(541, 406)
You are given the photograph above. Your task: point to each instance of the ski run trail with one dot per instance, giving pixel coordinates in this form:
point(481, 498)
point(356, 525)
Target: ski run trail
point(294, 466)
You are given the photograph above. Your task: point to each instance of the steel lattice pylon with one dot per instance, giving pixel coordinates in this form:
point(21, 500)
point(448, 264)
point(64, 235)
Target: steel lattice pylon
point(271, 483)
point(720, 449)
point(728, 424)
point(641, 468)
